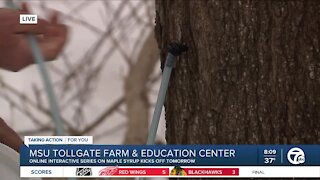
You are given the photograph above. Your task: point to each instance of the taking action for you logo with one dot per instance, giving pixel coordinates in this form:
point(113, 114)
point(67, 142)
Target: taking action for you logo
point(296, 156)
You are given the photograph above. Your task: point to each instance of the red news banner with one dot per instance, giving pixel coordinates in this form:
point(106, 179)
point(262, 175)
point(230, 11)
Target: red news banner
point(176, 171)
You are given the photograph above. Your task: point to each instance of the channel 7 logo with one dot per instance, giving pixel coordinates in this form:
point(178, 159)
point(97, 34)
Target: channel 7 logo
point(296, 156)
point(83, 172)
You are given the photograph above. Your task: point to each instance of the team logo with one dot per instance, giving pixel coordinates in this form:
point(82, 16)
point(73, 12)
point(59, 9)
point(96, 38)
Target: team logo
point(296, 156)
point(108, 171)
point(83, 172)
point(178, 171)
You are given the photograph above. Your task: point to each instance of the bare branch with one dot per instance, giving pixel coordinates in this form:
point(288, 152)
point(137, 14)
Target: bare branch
point(111, 131)
point(102, 117)
point(23, 110)
point(30, 102)
point(35, 131)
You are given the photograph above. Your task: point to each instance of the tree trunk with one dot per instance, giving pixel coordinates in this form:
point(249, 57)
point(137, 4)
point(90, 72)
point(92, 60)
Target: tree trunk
point(251, 75)
point(136, 92)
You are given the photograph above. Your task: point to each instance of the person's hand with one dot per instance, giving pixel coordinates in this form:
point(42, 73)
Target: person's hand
point(15, 52)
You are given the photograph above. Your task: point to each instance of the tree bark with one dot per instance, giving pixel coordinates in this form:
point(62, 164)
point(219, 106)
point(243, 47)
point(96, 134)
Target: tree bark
point(251, 75)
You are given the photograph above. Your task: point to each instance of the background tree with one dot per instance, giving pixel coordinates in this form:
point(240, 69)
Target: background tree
point(251, 75)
